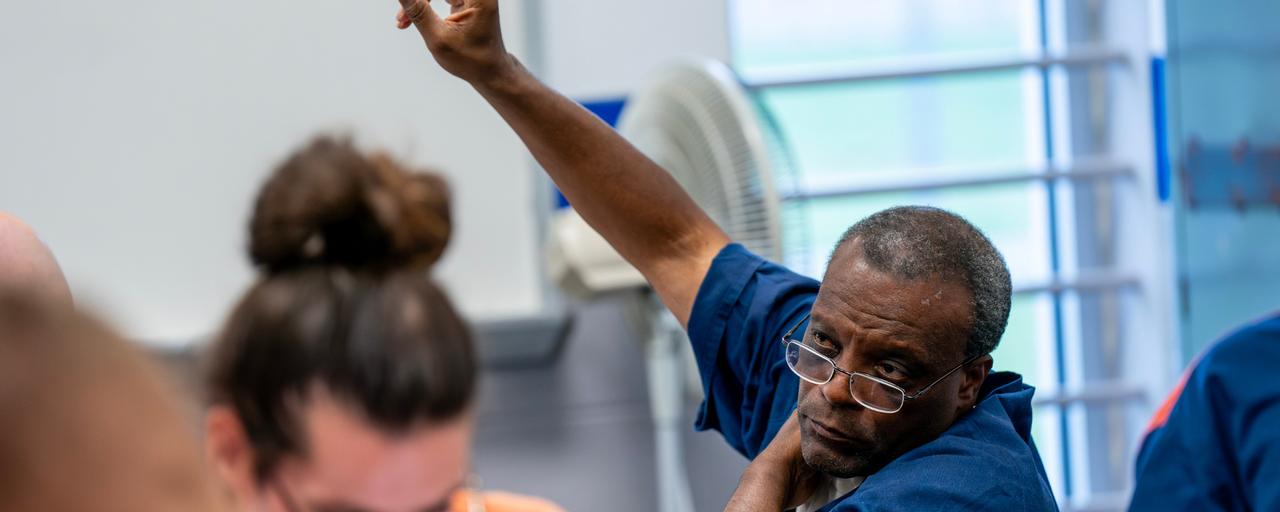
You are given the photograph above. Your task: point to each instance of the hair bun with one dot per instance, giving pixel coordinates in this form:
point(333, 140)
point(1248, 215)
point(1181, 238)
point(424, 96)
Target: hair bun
point(329, 204)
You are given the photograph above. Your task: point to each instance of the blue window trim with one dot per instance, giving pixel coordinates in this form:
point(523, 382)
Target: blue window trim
point(1161, 129)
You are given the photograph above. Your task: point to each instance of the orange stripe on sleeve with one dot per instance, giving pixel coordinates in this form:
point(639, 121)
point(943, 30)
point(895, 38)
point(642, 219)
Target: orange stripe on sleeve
point(1162, 414)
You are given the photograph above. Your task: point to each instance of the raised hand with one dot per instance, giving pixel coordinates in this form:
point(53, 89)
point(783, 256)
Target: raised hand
point(635, 204)
point(467, 43)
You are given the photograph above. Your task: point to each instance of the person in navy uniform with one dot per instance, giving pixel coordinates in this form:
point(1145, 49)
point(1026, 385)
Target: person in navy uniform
point(1215, 445)
point(885, 363)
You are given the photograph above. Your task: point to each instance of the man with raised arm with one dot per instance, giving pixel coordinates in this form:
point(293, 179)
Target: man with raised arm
point(884, 366)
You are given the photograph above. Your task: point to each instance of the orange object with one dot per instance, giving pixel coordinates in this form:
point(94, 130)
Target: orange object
point(1162, 414)
point(475, 501)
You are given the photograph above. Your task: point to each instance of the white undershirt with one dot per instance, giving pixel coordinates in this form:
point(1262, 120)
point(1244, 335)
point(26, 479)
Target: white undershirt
point(830, 489)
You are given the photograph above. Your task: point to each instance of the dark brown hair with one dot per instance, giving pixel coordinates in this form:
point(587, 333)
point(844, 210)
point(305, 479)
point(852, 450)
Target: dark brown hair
point(344, 242)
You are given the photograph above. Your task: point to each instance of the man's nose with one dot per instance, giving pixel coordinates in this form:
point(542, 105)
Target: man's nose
point(838, 392)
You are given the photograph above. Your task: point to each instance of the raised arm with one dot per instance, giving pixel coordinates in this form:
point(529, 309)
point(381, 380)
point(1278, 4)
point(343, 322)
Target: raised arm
point(778, 478)
point(621, 193)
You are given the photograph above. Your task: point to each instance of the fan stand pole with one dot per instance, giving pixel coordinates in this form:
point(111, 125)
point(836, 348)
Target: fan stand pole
point(665, 365)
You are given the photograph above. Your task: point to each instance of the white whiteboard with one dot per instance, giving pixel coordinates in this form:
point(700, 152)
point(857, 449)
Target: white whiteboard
point(134, 133)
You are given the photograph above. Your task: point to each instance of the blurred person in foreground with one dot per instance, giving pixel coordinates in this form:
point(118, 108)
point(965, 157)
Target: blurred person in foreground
point(27, 265)
point(885, 364)
point(1215, 444)
point(87, 422)
point(344, 380)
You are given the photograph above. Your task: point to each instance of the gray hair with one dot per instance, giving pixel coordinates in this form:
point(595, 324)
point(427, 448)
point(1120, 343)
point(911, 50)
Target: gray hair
point(913, 242)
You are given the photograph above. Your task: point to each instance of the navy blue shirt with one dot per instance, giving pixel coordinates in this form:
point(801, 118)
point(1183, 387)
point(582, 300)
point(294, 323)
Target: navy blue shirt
point(1216, 446)
point(986, 460)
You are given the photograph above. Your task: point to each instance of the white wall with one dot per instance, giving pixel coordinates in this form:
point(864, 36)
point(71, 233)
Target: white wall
point(134, 133)
point(604, 48)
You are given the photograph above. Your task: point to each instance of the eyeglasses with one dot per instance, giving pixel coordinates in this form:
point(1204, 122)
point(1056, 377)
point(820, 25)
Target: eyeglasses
point(474, 502)
point(872, 392)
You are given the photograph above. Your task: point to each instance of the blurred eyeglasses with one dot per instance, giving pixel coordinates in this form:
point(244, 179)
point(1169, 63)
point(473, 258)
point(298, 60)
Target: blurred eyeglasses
point(474, 502)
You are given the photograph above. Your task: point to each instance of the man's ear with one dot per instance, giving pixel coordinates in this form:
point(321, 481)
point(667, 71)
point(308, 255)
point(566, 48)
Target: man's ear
point(229, 451)
point(974, 375)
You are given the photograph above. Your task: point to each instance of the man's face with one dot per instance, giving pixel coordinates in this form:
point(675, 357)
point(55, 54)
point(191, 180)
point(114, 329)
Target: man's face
point(906, 332)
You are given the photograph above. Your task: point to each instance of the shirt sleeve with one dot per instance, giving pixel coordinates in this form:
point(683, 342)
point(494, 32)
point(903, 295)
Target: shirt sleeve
point(1219, 447)
point(1246, 371)
point(743, 308)
point(1261, 464)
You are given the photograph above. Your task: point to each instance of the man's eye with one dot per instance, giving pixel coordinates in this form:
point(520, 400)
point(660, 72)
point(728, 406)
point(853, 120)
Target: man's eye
point(890, 370)
point(822, 343)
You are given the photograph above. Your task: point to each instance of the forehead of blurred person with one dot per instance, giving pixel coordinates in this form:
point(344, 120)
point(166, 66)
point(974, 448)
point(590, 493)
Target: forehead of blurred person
point(27, 264)
point(89, 423)
point(352, 464)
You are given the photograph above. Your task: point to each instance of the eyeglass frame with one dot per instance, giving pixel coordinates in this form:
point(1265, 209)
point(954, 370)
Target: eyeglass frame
point(789, 338)
point(474, 503)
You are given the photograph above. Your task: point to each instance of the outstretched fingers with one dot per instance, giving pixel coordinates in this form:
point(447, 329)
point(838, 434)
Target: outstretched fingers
point(418, 13)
